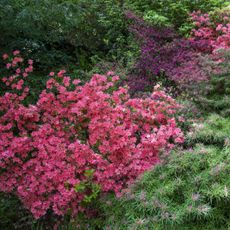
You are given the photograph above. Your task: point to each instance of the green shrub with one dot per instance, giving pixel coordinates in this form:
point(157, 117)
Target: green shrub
point(12, 213)
point(156, 19)
point(176, 12)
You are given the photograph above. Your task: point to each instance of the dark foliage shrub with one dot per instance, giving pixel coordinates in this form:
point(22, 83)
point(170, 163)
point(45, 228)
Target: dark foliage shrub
point(174, 61)
point(60, 33)
point(12, 214)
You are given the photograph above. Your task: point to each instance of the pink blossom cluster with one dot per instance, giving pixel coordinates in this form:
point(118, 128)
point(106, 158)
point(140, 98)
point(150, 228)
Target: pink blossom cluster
point(18, 73)
point(215, 34)
point(46, 149)
point(207, 38)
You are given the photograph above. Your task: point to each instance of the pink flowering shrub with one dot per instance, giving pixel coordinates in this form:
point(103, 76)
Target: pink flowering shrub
point(211, 36)
point(215, 34)
point(78, 140)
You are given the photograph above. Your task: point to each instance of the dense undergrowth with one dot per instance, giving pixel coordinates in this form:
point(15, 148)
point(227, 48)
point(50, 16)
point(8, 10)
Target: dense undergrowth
point(81, 150)
point(190, 188)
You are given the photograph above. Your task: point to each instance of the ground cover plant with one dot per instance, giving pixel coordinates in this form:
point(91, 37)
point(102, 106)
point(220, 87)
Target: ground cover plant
point(179, 194)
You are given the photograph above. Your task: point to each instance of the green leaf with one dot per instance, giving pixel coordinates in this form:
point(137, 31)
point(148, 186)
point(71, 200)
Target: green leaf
point(80, 187)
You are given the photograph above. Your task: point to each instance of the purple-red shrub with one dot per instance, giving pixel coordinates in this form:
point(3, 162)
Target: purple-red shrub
point(78, 139)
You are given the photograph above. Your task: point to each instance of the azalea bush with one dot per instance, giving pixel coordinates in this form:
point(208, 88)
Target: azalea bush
point(77, 140)
point(211, 33)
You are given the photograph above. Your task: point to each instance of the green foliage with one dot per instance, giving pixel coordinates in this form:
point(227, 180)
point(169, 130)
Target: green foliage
point(214, 95)
point(218, 15)
point(94, 193)
point(57, 32)
point(91, 189)
point(12, 214)
point(122, 61)
point(215, 130)
point(156, 19)
point(176, 12)
point(189, 191)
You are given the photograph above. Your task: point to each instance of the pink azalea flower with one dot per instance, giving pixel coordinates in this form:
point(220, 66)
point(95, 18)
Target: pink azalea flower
point(51, 74)
point(5, 56)
point(8, 65)
point(30, 62)
point(16, 52)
